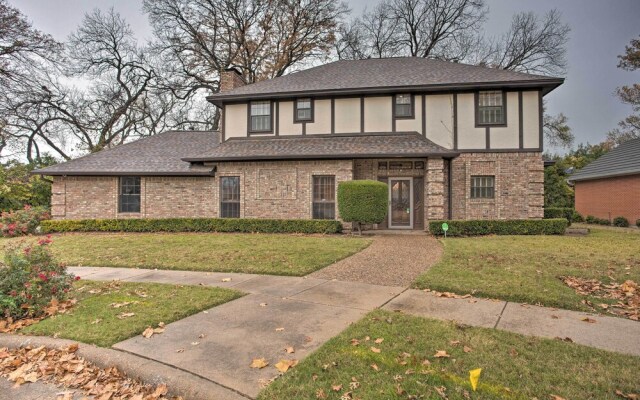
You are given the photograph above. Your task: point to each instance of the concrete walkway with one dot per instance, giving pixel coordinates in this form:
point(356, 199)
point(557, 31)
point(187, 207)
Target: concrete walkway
point(277, 313)
point(595, 330)
point(303, 312)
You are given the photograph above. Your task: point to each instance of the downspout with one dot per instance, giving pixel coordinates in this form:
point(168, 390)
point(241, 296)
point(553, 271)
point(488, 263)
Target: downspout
point(449, 190)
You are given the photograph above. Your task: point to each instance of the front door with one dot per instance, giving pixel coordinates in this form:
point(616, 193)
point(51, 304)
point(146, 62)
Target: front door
point(400, 203)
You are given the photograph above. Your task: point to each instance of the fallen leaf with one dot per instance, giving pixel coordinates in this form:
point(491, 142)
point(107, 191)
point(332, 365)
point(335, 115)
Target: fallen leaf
point(279, 329)
point(125, 315)
point(320, 394)
point(441, 354)
point(180, 351)
point(589, 320)
point(441, 390)
point(289, 350)
point(201, 336)
point(226, 279)
point(375, 349)
point(96, 321)
point(375, 367)
point(284, 365)
point(263, 304)
point(355, 342)
point(336, 388)
point(556, 397)
point(259, 363)
point(148, 332)
point(195, 343)
point(379, 340)
point(466, 349)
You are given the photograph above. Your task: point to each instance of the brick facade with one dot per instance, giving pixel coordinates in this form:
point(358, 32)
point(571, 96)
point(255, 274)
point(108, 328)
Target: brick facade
point(519, 186)
point(609, 197)
point(283, 189)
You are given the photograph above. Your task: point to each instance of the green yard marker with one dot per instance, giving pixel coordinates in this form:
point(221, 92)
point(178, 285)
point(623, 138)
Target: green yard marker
point(445, 228)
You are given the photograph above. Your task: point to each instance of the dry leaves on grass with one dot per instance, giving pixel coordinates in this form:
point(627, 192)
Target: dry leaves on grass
point(627, 295)
point(10, 325)
point(630, 396)
point(64, 367)
point(150, 331)
point(448, 295)
point(284, 365)
point(441, 354)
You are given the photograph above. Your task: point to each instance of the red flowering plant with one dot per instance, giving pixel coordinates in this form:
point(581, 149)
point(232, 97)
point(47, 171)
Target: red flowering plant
point(30, 280)
point(22, 222)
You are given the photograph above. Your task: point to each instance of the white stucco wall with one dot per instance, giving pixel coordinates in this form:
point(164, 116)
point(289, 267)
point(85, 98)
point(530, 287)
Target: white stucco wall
point(439, 121)
point(347, 115)
point(235, 120)
point(377, 114)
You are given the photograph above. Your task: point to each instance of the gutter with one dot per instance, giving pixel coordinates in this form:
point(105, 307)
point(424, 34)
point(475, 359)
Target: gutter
point(548, 84)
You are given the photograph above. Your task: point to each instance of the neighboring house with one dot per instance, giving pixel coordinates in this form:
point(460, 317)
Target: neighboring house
point(609, 187)
point(451, 140)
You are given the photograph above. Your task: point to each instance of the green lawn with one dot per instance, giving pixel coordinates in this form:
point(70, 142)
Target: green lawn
point(95, 320)
point(527, 268)
point(275, 254)
point(513, 366)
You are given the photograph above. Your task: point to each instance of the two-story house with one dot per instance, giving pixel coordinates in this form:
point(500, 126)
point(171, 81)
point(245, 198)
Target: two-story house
point(452, 141)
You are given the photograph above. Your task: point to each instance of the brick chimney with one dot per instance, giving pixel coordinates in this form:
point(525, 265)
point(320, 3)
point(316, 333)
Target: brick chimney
point(230, 78)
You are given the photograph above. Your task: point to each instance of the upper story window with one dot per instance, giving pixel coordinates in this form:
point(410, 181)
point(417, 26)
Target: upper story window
point(304, 110)
point(260, 116)
point(129, 194)
point(403, 106)
point(491, 108)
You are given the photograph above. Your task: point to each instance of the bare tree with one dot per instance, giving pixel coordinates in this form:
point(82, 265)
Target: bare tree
point(532, 44)
point(629, 128)
point(262, 39)
point(375, 35)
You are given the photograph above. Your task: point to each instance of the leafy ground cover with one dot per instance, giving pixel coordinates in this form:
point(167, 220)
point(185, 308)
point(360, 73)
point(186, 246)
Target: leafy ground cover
point(530, 269)
point(395, 356)
point(109, 312)
point(275, 254)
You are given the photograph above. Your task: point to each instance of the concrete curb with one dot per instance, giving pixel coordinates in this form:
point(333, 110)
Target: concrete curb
point(179, 382)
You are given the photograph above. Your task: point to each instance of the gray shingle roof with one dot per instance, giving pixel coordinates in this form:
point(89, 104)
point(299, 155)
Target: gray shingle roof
point(156, 155)
point(378, 74)
point(404, 144)
point(623, 160)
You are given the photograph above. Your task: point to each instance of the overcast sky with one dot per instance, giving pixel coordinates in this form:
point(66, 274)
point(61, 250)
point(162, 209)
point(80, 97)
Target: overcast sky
point(599, 31)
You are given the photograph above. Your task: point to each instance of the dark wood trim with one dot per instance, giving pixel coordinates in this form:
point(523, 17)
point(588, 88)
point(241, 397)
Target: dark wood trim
point(276, 120)
point(304, 128)
point(520, 121)
point(251, 132)
point(548, 84)
point(295, 110)
point(476, 108)
point(424, 115)
point(361, 114)
point(525, 150)
point(541, 121)
point(412, 106)
point(223, 122)
point(487, 138)
point(450, 189)
point(455, 121)
point(333, 115)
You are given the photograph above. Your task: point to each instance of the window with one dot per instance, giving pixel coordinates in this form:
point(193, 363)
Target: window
point(230, 197)
point(490, 108)
point(403, 106)
point(260, 116)
point(324, 197)
point(129, 194)
point(304, 110)
point(482, 187)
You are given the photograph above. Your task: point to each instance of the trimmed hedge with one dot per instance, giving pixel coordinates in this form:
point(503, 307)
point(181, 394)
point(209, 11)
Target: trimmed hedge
point(621, 222)
point(563, 212)
point(246, 225)
point(598, 221)
point(555, 226)
point(363, 201)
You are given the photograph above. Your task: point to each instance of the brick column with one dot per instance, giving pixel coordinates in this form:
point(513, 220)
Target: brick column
point(435, 196)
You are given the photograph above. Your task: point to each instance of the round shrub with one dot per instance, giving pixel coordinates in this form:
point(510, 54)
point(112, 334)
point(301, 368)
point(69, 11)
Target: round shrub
point(363, 201)
point(577, 217)
point(30, 279)
point(621, 222)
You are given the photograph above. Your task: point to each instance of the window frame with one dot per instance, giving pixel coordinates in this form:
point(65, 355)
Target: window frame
point(478, 189)
point(138, 181)
point(249, 117)
point(480, 124)
point(324, 202)
point(297, 120)
point(412, 106)
point(222, 201)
